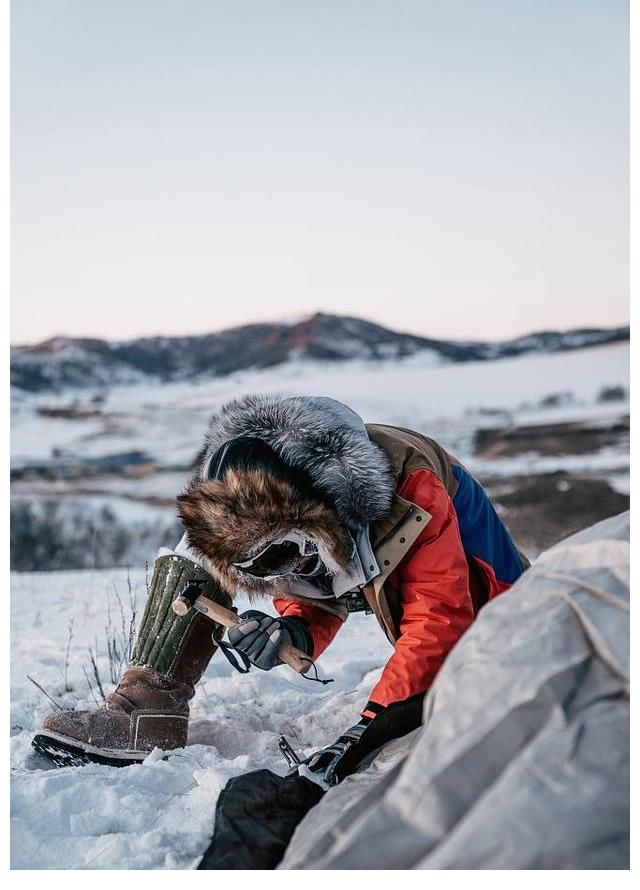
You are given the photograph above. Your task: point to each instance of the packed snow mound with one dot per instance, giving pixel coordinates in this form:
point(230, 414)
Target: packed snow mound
point(523, 759)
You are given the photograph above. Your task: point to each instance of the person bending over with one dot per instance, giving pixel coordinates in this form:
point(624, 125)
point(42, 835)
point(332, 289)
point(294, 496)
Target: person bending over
point(298, 500)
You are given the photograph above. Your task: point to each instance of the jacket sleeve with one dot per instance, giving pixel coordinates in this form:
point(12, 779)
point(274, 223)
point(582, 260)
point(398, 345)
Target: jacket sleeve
point(321, 625)
point(433, 581)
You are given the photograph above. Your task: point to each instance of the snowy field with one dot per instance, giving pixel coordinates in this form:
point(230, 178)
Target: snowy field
point(158, 814)
point(166, 423)
point(447, 401)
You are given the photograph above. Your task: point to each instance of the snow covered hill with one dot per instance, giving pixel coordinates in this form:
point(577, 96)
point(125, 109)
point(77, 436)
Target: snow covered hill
point(81, 363)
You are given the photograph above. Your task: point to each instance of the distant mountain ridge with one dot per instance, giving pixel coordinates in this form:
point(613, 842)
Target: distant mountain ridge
point(80, 363)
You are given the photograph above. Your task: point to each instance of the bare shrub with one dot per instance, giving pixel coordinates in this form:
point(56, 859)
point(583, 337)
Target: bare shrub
point(119, 641)
point(45, 693)
point(67, 688)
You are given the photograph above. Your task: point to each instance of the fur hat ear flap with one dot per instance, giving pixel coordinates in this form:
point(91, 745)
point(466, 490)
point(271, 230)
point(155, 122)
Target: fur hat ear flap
point(227, 520)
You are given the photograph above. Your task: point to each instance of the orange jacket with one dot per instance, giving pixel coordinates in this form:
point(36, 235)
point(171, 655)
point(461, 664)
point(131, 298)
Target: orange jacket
point(436, 599)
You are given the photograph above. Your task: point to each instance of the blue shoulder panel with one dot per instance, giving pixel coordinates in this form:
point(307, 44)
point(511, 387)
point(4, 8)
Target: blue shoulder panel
point(481, 529)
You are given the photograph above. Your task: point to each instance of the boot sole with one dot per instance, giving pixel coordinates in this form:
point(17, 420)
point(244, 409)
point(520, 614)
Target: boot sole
point(66, 751)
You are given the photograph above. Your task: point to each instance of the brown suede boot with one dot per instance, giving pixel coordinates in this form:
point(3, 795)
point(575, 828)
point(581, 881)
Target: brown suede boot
point(150, 706)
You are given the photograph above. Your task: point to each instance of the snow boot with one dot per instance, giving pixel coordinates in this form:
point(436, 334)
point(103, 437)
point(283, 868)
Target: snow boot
point(150, 705)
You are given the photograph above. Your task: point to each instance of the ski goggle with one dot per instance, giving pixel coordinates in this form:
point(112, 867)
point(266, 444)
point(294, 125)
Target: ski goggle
point(290, 555)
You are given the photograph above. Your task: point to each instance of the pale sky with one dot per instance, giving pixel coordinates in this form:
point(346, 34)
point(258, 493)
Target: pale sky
point(455, 169)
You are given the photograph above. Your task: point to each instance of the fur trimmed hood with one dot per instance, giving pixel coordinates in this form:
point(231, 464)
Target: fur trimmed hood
point(225, 519)
point(228, 519)
point(321, 436)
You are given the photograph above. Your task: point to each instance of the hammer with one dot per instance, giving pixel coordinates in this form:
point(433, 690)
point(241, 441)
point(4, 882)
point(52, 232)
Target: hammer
point(192, 598)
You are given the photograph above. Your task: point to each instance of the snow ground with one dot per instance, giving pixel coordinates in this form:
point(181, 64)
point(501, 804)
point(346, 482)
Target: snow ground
point(158, 814)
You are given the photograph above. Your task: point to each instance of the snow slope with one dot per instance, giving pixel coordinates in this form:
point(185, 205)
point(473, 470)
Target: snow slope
point(158, 814)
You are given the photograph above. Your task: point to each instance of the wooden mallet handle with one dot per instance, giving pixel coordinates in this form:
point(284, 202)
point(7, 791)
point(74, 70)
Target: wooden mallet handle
point(299, 661)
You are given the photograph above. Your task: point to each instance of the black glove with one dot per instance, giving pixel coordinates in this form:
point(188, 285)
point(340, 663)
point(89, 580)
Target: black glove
point(333, 763)
point(329, 763)
point(259, 636)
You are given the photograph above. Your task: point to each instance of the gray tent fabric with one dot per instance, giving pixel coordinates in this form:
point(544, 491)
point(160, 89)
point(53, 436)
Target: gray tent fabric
point(523, 758)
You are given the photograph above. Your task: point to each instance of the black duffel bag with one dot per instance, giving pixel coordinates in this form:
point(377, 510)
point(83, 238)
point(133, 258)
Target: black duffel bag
point(256, 816)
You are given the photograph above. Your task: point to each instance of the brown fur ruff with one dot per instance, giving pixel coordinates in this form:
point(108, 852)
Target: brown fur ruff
point(228, 520)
